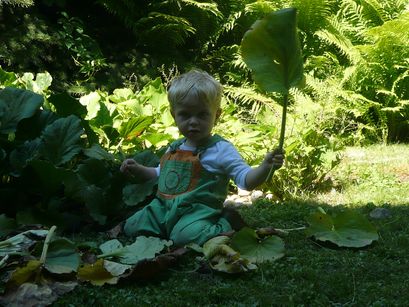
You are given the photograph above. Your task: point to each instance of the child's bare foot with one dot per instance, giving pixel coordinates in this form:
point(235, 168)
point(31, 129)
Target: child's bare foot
point(234, 218)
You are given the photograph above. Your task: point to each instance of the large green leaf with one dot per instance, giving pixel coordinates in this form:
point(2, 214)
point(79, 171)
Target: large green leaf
point(91, 102)
point(62, 257)
point(147, 158)
point(23, 154)
point(94, 199)
point(142, 248)
point(256, 249)
point(48, 177)
point(271, 50)
point(133, 194)
point(67, 105)
point(134, 127)
point(38, 85)
point(7, 78)
point(155, 93)
point(62, 140)
point(20, 243)
point(346, 229)
point(15, 105)
point(31, 128)
point(99, 153)
point(96, 172)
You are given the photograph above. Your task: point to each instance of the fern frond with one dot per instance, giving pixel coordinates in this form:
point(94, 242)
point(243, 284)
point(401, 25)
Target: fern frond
point(209, 7)
point(23, 3)
point(176, 28)
point(374, 12)
point(333, 35)
point(246, 95)
point(226, 27)
point(352, 13)
point(262, 7)
point(312, 14)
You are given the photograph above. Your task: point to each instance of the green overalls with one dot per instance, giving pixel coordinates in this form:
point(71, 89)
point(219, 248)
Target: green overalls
point(188, 204)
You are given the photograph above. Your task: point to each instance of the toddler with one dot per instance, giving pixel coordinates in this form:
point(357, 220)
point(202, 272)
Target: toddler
point(195, 171)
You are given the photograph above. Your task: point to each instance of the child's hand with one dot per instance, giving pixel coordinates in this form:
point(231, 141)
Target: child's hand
point(275, 158)
point(129, 167)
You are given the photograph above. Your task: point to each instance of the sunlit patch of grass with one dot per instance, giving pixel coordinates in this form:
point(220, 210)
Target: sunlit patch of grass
point(376, 174)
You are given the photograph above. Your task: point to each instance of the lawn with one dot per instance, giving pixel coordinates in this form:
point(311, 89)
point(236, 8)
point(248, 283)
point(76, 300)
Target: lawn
point(311, 273)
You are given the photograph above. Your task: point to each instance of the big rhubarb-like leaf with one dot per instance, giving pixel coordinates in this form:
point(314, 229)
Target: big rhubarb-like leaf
point(15, 105)
point(62, 257)
point(142, 248)
point(271, 50)
point(256, 249)
point(62, 140)
point(345, 229)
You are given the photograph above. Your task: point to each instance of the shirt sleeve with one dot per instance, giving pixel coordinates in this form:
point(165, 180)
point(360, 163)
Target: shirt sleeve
point(232, 163)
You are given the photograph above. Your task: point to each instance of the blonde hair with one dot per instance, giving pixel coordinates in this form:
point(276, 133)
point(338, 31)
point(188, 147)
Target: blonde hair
point(195, 82)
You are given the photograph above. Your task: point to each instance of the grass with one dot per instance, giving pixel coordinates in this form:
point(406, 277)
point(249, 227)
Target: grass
point(311, 273)
point(377, 174)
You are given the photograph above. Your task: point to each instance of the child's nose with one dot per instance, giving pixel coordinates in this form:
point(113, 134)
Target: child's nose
point(193, 120)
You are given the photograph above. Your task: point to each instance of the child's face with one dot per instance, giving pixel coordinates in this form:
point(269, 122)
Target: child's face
point(195, 120)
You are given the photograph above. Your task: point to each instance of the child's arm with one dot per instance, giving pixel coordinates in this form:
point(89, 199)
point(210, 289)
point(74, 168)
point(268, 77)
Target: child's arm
point(131, 168)
point(259, 174)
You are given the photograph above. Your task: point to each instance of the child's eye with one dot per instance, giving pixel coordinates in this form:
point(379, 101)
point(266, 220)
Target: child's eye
point(183, 114)
point(203, 115)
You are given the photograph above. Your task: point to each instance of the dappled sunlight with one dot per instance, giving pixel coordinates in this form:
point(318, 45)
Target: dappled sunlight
point(377, 174)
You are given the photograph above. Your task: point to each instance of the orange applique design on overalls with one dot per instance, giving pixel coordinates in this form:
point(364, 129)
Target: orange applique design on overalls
point(180, 173)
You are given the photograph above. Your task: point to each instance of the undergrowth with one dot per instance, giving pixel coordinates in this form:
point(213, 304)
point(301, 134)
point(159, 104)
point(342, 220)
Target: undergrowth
point(311, 273)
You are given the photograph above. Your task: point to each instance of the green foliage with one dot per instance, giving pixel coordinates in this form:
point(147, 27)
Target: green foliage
point(166, 24)
point(345, 229)
point(16, 105)
point(126, 120)
point(271, 50)
point(46, 171)
point(62, 257)
point(385, 64)
point(85, 51)
point(143, 248)
point(24, 3)
point(256, 248)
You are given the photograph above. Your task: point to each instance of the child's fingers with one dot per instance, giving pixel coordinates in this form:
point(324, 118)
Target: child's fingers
point(127, 165)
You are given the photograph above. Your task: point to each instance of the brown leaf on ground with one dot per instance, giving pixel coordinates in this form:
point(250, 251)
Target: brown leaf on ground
point(114, 232)
point(151, 268)
point(30, 294)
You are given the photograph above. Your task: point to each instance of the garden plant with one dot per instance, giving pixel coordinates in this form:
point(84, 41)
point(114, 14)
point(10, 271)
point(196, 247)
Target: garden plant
point(83, 86)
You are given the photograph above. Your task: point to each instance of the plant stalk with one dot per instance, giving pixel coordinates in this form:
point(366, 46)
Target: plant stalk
point(282, 134)
point(47, 243)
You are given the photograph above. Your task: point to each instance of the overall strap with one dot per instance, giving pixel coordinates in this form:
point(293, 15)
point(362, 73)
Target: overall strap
point(175, 144)
point(210, 142)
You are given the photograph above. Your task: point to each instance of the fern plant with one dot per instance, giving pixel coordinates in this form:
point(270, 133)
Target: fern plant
point(165, 25)
point(383, 69)
point(23, 3)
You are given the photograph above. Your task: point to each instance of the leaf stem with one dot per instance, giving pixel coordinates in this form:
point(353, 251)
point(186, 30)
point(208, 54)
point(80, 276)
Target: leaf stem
point(47, 244)
point(3, 261)
point(282, 133)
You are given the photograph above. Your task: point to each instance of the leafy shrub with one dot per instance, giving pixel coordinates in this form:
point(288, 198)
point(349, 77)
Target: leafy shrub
point(52, 171)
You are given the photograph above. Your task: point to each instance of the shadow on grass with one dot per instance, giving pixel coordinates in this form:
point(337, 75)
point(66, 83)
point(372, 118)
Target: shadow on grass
point(310, 274)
